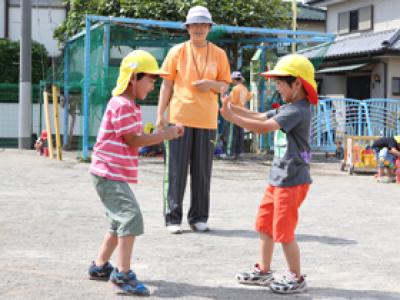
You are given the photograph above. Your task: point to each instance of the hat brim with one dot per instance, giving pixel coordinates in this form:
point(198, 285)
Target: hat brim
point(121, 86)
point(310, 88)
point(198, 20)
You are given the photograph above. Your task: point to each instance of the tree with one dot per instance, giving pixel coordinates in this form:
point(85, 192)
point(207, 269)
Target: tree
point(255, 13)
point(9, 61)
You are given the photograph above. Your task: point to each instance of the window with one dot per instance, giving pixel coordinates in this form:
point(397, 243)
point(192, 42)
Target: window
point(355, 20)
point(396, 86)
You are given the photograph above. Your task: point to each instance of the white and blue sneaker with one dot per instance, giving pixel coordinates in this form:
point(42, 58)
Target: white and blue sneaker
point(100, 273)
point(127, 283)
point(289, 284)
point(255, 276)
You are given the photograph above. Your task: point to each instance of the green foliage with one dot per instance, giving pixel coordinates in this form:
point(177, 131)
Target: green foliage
point(251, 13)
point(9, 61)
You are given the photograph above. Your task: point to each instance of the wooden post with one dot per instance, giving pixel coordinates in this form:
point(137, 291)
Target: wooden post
point(48, 124)
point(54, 91)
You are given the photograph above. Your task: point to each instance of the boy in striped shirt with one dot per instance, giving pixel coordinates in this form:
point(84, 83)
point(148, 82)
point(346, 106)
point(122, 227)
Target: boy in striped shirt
point(115, 165)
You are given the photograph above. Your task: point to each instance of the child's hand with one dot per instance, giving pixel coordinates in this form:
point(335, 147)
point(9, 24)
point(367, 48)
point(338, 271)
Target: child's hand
point(174, 132)
point(226, 110)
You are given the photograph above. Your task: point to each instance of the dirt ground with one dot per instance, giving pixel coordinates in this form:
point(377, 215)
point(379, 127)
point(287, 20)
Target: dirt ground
point(51, 225)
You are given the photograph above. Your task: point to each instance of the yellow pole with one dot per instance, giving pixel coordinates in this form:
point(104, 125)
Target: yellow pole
point(294, 23)
point(48, 124)
point(54, 91)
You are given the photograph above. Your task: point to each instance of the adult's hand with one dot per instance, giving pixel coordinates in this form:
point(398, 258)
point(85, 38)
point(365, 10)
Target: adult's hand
point(202, 85)
point(161, 122)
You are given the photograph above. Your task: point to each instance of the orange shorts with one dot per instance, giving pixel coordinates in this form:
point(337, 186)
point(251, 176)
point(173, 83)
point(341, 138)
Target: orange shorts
point(278, 212)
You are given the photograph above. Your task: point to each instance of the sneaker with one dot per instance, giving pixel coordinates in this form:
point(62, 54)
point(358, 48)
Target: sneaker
point(174, 228)
point(383, 179)
point(100, 273)
point(255, 276)
point(200, 226)
point(127, 283)
point(289, 284)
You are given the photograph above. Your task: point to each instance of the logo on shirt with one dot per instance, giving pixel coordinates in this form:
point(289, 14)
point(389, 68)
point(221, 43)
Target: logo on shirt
point(212, 69)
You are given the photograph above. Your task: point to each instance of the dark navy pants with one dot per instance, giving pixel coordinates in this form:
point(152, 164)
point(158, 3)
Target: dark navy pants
point(193, 152)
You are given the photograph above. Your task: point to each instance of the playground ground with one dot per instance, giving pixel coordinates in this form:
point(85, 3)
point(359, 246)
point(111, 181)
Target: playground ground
point(51, 224)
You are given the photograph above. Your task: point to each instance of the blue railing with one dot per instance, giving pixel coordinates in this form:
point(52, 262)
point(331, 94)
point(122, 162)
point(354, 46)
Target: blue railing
point(333, 119)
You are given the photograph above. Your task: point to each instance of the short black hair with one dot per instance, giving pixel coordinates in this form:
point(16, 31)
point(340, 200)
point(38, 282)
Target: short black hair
point(139, 76)
point(288, 79)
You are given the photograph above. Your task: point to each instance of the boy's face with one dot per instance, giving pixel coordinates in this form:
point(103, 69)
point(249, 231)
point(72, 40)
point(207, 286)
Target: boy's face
point(198, 31)
point(144, 86)
point(287, 91)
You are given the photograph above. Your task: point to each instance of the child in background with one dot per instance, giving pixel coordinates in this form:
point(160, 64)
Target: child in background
point(290, 176)
point(387, 149)
point(239, 97)
point(115, 164)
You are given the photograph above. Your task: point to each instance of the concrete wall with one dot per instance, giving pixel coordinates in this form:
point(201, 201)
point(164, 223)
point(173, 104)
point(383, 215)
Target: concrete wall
point(44, 22)
point(311, 26)
point(333, 85)
point(393, 71)
point(9, 119)
point(2, 19)
point(378, 88)
point(385, 13)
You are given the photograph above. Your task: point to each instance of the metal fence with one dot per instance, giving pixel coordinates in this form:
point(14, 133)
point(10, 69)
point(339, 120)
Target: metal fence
point(333, 119)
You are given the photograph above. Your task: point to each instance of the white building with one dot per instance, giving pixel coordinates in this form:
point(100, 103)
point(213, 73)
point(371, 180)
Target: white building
point(364, 60)
point(46, 16)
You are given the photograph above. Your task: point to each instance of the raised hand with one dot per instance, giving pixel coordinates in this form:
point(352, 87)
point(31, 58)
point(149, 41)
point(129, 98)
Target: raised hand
point(174, 132)
point(226, 110)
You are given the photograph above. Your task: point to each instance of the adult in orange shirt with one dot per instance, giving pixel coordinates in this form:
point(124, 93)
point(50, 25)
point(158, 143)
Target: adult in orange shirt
point(239, 95)
point(199, 69)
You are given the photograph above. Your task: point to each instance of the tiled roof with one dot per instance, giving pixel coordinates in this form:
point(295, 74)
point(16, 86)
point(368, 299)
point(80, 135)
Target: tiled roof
point(358, 44)
point(308, 13)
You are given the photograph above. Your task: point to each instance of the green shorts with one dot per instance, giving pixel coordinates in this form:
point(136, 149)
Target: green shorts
point(122, 209)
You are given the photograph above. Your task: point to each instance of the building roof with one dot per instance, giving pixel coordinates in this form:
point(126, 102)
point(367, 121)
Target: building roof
point(308, 13)
point(323, 2)
point(357, 44)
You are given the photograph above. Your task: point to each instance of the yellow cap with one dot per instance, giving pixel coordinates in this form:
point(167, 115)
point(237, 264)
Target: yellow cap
point(297, 65)
point(138, 61)
point(397, 138)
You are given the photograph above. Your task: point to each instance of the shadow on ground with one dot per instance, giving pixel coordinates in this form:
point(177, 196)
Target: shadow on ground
point(169, 289)
point(328, 240)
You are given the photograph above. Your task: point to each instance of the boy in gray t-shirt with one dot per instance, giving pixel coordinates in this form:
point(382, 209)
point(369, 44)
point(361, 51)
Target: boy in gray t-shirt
point(290, 172)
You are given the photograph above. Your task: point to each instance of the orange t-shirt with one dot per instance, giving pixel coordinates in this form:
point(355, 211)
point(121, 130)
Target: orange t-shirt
point(240, 95)
point(188, 106)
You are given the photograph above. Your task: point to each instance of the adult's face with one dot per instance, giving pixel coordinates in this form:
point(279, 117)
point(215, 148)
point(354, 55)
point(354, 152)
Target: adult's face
point(198, 31)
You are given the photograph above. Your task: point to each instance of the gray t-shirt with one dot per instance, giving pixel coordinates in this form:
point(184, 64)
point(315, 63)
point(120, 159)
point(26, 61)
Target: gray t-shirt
point(292, 155)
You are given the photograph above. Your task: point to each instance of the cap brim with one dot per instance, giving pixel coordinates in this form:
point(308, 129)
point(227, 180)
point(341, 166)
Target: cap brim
point(198, 20)
point(160, 73)
point(274, 73)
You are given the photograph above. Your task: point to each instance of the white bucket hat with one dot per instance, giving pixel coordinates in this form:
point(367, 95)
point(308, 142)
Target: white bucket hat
point(198, 15)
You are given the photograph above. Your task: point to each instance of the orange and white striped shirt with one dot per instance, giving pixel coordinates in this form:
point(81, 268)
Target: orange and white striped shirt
point(112, 158)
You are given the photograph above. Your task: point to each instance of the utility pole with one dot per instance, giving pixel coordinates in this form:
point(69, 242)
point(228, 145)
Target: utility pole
point(25, 77)
point(294, 23)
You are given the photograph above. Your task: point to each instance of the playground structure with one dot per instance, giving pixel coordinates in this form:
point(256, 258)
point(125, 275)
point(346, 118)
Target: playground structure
point(107, 39)
point(87, 86)
point(336, 119)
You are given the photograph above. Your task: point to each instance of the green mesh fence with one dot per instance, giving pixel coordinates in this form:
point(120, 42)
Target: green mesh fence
point(123, 39)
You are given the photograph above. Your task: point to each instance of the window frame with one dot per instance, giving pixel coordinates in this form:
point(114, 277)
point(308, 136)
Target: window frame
point(397, 91)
